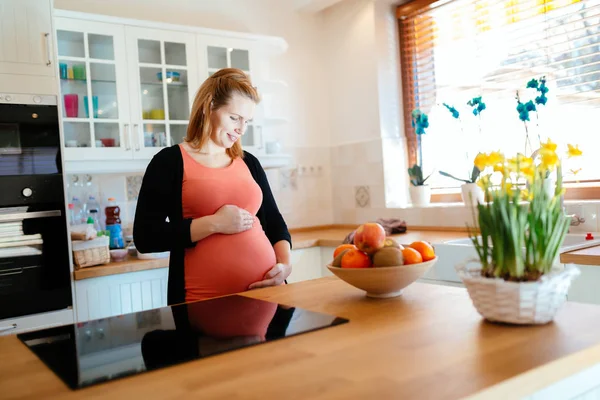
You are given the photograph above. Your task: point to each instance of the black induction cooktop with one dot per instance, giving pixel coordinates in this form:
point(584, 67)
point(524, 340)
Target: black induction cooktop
point(92, 352)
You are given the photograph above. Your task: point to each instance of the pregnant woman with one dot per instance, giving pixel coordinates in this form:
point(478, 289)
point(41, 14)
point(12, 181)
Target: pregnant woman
point(209, 203)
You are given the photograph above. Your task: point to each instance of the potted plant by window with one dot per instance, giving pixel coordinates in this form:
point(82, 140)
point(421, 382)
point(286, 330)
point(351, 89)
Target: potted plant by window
point(420, 193)
point(471, 193)
point(515, 278)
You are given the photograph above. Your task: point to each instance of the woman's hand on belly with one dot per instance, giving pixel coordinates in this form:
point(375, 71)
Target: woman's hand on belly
point(274, 277)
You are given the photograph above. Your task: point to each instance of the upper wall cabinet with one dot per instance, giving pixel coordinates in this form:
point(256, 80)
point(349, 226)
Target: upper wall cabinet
point(215, 53)
point(93, 87)
point(26, 46)
point(163, 78)
point(127, 87)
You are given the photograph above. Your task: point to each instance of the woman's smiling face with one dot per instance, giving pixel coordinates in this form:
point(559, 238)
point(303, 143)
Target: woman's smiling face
point(229, 122)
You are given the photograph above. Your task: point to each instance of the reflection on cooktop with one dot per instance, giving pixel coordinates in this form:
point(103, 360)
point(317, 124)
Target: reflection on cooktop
point(88, 353)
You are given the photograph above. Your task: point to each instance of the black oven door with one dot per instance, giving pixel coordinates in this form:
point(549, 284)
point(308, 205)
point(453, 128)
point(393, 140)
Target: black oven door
point(29, 140)
point(34, 262)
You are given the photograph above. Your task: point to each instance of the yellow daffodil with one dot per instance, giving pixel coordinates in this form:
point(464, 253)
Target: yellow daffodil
point(573, 151)
point(484, 182)
point(549, 145)
point(495, 158)
point(549, 159)
point(508, 188)
point(526, 195)
point(481, 161)
point(528, 172)
point(519, 162)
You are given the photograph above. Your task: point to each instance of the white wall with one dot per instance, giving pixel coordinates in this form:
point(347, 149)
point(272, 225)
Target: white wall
point(306, 201)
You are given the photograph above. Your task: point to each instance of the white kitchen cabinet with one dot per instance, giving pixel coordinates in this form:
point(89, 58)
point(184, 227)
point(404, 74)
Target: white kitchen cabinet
point(306, 264)
point(215, 53)
point(26, 45)
point(163, 79)
point(584, 288)
point(118, 294)
point(125, 109)
point(12, 326)
point(139, 81)
point(92, 58)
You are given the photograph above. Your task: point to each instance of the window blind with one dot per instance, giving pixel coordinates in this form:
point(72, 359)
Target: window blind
point(453, 51)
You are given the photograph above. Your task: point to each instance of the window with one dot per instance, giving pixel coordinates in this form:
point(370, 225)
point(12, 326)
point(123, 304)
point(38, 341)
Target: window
point(453, 51)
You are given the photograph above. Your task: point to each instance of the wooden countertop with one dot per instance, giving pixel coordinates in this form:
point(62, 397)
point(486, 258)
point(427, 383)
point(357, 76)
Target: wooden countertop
point(428, 343)
point(301, 240)
point(589, 256)
point(131, 264)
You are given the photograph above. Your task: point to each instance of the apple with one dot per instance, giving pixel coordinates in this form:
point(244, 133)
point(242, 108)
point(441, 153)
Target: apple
point(369, 237)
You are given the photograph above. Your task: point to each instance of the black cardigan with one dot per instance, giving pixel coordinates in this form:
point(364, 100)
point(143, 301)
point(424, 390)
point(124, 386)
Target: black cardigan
point(160, 198)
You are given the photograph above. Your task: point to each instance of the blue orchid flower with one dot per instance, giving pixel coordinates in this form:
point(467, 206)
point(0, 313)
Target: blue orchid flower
point(541, 100)
point(533, 84)
point(454, 111)
point(530, 106)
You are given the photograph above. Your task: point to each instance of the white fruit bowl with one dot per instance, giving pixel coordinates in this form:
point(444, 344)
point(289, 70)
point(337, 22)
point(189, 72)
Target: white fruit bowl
point(383, 282)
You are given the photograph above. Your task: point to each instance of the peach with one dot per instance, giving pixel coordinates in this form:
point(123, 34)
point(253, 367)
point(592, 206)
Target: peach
point(369, 237)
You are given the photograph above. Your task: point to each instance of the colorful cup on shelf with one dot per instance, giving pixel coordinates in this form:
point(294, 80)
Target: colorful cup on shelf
point(172, 76)
point(98, 143)
point(79, 71)
point(71, 105)
point(157, 114)
point(108, 142)
point(94, 106)
point(62, 67)
point(146, 115)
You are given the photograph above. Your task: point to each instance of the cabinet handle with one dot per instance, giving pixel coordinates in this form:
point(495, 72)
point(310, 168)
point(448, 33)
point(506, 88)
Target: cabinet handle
point(126, 137)
point(258, 137)
point(136, 136)
point(8, 328)
point(47, 36)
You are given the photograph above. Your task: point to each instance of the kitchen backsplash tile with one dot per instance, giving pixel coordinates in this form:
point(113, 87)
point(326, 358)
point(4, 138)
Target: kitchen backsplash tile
point(134, 183)
point(362, 196)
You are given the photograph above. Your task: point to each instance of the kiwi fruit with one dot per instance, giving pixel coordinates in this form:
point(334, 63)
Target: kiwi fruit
point(388, 257)
point(337, 261)
point(389, 242)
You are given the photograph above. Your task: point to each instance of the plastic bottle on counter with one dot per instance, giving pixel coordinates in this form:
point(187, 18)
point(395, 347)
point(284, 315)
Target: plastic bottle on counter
point(113, 224)
point(92, 204)
point(77, 212)
point(72, 217)
point(93, 215)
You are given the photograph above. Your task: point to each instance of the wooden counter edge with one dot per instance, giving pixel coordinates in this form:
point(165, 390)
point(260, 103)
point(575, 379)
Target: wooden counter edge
point(122, 267)
point(580, 257)
point(540, 378)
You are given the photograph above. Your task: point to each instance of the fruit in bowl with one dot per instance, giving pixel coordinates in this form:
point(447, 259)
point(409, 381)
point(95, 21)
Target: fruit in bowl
point(381, 266)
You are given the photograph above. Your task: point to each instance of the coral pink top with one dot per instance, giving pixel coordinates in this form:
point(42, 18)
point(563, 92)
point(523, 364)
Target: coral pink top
point(223, 264)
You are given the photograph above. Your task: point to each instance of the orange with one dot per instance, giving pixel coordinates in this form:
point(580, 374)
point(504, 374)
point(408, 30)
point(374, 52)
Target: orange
point(425, 249)
point(343, 247)
point(355, 259)
point(411, 256)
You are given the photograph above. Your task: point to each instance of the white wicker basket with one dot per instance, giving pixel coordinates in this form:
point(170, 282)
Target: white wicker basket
point(517, 302)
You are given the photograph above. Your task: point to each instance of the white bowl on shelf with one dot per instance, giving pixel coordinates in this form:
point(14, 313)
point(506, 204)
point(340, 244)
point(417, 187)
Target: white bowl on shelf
point(151, 256)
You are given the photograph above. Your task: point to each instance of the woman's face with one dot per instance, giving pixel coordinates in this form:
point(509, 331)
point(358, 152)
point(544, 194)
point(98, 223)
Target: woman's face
point(230, 121)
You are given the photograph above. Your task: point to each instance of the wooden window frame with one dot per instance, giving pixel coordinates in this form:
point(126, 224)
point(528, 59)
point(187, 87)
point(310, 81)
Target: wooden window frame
point(583, 190)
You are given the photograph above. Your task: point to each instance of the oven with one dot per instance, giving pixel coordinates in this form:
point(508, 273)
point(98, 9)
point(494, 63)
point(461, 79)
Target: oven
point(34, 238)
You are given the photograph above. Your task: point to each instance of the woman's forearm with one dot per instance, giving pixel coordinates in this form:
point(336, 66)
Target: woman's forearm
point(202, 228)
point(283, 253)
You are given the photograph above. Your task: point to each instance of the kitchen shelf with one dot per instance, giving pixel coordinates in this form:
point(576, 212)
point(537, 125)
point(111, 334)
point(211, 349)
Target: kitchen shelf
point(114, 82)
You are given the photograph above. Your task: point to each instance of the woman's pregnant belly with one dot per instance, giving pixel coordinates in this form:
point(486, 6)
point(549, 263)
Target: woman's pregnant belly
point(224, 264)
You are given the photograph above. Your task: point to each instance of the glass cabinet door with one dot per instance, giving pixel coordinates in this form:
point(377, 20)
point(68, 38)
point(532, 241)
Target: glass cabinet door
point(164, 78)
point(215, 54)
point(91, 58)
